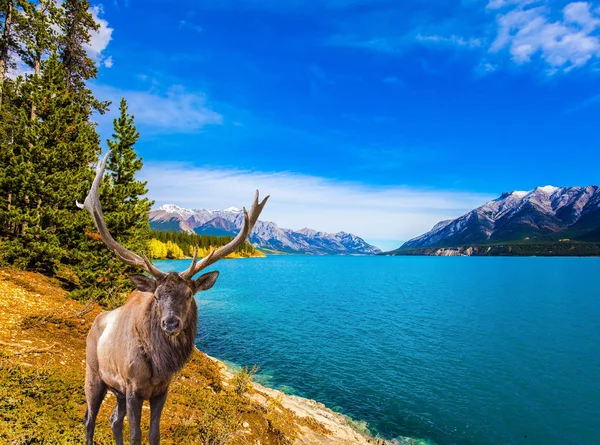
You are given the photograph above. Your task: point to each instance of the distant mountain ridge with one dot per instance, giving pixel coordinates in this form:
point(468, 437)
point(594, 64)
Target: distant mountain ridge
point(267, 235)
point(539, 215)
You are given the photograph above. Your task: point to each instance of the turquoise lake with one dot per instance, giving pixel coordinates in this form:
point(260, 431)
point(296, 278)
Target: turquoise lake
point(457, 351)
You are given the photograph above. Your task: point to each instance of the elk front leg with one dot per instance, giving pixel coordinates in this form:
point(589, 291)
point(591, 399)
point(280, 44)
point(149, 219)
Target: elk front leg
point(134, 414)
point(116, 420)
point(156, 406)
point(95, 390)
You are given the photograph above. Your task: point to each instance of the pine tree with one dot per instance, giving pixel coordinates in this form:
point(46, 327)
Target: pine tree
point(126, 213)
point(39, 36)
point(8, 134)
point(39, 39)
point(11, 20)
point(51, 157)
point(129, 213)
point(76, 27)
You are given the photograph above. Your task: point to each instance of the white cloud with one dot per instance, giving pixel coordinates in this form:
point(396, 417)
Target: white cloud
point(397, 45)
point(580, 13)
point(298, 200)
point(497, 4)
point(20, 69)
point(590, 101)
point(99, 39)
point(386, 45)
point(185, 24)
point(563, 44)
point(452, 40)
point(525, 30)
point(393, 80)
point(174, 111)
point(108, 62)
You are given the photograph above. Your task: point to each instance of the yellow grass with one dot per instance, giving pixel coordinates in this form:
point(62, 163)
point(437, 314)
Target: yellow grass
point(42, 367)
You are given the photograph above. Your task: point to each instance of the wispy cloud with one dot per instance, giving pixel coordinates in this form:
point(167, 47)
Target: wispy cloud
point(526, 30)
point(299, 200)
point(319, 73)
point(450, 40)
point(393, 80)
point(590, 101)
point(291, 6)
point(398, 45)
point(497, 4)
point(189, 25)
point(172, 111)
point(108, 62)
point(521, 30)
point(383, 44)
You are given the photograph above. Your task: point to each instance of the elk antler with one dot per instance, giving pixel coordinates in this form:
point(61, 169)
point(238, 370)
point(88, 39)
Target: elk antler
point(214, 256)
point(92, 204)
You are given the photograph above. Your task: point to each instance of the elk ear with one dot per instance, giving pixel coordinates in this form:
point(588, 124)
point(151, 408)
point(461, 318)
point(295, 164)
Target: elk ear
point(205, 281)
point(143, 283)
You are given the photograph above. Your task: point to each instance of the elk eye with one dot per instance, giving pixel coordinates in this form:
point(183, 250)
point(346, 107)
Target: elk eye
point(156, 297)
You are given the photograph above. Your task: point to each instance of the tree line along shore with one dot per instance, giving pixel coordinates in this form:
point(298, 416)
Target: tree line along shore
point(179, 245)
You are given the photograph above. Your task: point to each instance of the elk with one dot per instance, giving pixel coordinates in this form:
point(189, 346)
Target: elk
point(135, 350)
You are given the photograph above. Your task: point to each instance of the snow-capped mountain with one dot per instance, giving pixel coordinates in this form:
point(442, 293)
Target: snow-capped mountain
point(543, 214)
point(267, 235)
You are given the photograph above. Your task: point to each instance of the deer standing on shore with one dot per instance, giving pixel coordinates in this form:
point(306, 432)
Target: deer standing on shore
point(135, 350)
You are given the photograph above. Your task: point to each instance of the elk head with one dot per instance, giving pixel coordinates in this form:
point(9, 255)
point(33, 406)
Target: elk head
point(173, 292)
point(173, 297)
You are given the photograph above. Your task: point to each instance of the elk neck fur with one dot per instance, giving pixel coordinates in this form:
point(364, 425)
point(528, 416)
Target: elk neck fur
point(166, 354)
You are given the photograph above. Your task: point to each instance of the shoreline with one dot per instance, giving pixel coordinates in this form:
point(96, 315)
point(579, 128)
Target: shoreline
point(343, 429)
point(560, 250)
point(226, 258)
point(42, 367)
point(346, 429)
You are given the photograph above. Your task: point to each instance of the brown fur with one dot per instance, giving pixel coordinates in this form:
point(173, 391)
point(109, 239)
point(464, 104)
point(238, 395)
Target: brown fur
point(130, 353)
point(135, 350)
point(168, 355)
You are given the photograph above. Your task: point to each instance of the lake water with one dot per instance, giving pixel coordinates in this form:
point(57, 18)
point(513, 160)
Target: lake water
point(452, 350)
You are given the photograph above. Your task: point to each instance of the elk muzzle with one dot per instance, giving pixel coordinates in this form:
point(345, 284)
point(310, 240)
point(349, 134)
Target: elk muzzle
point(171, 324)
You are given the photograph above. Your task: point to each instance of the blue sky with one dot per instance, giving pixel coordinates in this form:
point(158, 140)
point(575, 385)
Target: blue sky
point(371, 116)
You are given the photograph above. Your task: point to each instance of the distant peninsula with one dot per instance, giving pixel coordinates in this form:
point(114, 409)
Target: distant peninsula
point(545, 221)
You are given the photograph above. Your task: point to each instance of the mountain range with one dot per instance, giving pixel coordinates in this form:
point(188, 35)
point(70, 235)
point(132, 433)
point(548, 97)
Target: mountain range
point(545, 214)
point(266, 235)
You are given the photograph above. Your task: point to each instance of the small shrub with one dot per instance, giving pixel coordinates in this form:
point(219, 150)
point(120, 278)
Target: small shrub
point(242, 379)
point(215, 419)
point(282, 422)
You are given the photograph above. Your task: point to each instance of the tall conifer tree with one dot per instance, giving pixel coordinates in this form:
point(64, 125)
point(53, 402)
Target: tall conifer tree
point(126, 213)
point(11, 22)
point(77, 24)
point(129, 209)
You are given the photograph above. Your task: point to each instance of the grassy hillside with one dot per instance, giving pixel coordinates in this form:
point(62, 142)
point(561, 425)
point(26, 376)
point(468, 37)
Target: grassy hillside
point(42, 368)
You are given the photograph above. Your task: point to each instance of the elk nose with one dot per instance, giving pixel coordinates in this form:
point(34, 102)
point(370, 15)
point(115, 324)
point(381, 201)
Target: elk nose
point(171, 324)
